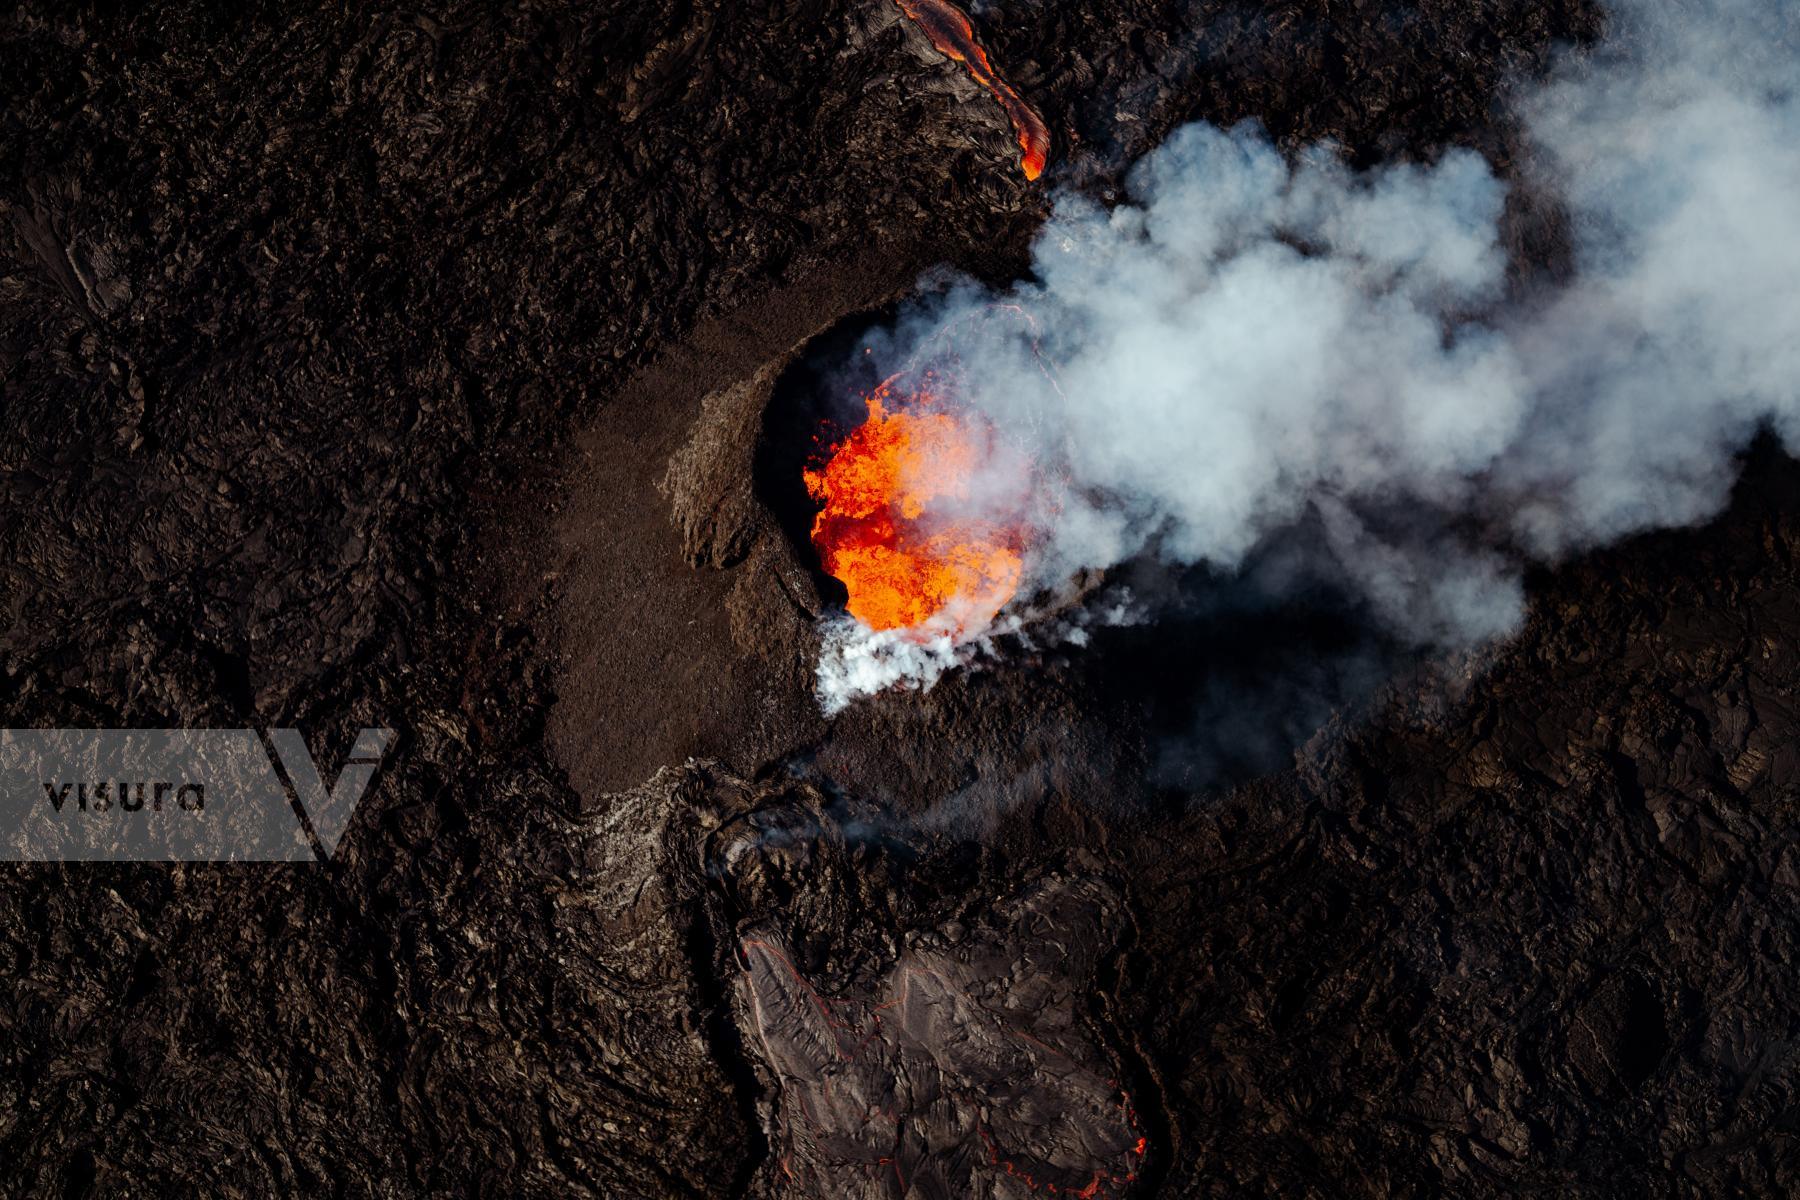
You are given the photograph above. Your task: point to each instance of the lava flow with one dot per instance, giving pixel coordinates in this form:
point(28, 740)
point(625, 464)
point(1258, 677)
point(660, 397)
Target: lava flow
point(953, 35)
point(922, 516)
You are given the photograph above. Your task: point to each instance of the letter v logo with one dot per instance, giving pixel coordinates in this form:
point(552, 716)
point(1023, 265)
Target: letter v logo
point(330, 813)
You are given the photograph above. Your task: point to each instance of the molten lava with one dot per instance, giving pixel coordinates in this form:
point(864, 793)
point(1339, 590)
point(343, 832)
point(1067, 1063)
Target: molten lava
point(954, 37)
point(921, 516)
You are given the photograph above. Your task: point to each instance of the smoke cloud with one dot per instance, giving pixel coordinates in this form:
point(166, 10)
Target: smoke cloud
point(1251, 343)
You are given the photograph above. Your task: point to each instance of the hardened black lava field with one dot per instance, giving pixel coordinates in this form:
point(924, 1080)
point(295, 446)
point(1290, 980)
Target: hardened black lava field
point(371, 366)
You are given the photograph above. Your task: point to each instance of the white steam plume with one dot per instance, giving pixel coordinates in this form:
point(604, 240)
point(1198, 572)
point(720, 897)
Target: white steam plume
point(1249, 343)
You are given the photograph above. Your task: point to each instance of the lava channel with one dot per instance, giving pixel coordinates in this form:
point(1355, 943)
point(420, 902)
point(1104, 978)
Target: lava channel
point(923, 515)
point(953, 35)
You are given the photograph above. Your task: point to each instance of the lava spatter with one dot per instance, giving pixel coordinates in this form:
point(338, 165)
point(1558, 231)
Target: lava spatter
point(922, 515)
point(952, 33)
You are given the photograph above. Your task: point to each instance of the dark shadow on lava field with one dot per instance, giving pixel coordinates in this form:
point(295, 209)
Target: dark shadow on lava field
point(1232, 675)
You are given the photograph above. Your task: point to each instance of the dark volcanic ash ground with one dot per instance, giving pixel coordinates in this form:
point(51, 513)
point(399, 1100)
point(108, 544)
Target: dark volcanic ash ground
point(419, 370)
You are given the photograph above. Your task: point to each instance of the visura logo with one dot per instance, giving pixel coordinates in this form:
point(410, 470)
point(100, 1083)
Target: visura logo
point(187, 795)
point(150, 796)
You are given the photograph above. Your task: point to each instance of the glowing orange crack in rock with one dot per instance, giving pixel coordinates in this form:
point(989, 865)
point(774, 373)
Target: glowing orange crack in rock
point(953, 36)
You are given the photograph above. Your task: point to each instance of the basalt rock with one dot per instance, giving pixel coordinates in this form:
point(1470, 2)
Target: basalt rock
point(344, 356)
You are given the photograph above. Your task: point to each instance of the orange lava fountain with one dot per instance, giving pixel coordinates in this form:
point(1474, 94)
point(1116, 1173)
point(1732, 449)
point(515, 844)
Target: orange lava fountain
point(953, 35)
point(911, 522)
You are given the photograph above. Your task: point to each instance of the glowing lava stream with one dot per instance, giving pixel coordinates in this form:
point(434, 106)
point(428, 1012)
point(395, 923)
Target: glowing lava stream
point(922, 516)
point(953, 35)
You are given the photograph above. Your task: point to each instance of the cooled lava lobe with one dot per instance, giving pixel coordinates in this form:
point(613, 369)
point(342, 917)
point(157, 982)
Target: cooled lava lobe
point(968, 1071)
point(953, 34)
